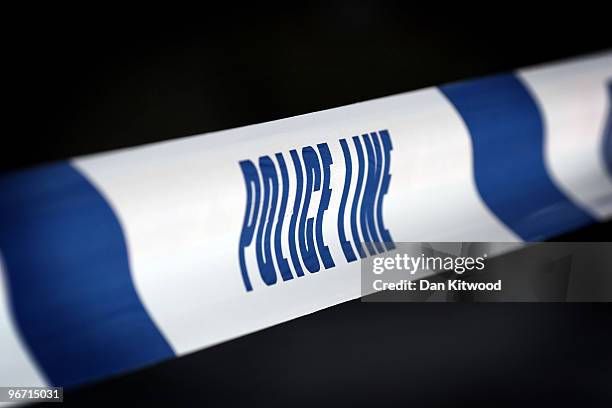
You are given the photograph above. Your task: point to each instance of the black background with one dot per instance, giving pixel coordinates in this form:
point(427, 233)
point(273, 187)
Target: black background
point(90, 80)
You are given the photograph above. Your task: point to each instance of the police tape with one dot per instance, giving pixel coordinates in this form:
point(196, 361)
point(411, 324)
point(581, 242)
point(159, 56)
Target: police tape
point(119, 260)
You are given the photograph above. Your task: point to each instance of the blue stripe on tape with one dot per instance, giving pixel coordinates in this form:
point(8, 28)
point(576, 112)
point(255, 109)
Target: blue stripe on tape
point(71, 292)
point(508, 142)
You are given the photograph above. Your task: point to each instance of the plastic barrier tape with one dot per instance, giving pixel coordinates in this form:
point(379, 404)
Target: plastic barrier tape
point(115, 261)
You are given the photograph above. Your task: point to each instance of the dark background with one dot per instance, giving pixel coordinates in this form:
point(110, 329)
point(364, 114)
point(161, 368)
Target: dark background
point(90, 80)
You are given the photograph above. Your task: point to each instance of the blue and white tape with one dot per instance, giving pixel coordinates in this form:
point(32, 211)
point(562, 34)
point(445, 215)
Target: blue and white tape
point(119, 260)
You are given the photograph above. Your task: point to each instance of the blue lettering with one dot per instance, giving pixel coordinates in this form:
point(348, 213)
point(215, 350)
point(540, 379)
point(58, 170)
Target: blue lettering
point(297, 165)
point(263, 246)
point(347, 248)
point(252, 207)
point(283, 265)
point(306, 232)
point(327, 161)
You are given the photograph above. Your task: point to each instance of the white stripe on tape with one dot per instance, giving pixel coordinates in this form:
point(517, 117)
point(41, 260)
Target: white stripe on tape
point(17, 367)
point(574, 103)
